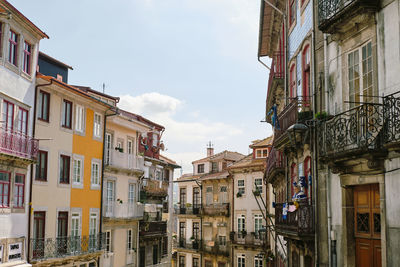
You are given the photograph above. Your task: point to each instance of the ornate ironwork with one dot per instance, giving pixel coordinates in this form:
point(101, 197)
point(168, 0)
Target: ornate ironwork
point(250, 239)
point(352, 130)
point(391, 106)
point(275, 162)
point(18, 144)
point(216, 248)
point(300, 221)
point(363, 222)
point(192, 210)
point(377, 222)
point(48, 248)
point(216, 209)
point(155, 228)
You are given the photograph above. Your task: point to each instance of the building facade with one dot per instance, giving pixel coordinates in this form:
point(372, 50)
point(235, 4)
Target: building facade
point(19, 48)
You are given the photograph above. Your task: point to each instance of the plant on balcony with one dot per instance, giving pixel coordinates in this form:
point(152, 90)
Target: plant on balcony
point(305, 115)
point(192, 238)
point(321, 115)
point(256, 192)
point(244, 232)
point(119, 201)
point(120, 149)
point(238, 194)
point(188, 205)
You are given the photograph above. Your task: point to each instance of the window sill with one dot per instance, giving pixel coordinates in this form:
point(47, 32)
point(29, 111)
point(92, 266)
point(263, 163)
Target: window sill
point(26, 76)
point(81, 133)
point(95, 187)
point(64, 185)
point(12, 67)
point(77, 185)
point(18, 210)
point(65, 129)
point(5, 210)
point(40, 182)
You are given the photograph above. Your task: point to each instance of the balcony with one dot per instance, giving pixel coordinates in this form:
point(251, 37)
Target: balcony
point(63, 247)
point(333, 15)
point(189, 210)
point(117, 210)
point(249, 239)
point(352, 133)
point(156, 188)
point(192, 245)
point(275, 164)
point(18, 145)
point(216, 209)
point(298, 224)
point(297, 111)
point(152, 229)
point(215, 248)
point(120, 160)
point(391, 111)
point(275, 80)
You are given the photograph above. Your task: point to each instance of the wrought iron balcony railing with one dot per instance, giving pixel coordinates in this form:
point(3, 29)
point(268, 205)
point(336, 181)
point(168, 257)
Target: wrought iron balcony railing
point(277, 69)
point(215, 247)
point(18, 144)
point(117, 210)
point(61, 247)
point(216, 209)
point(275, 163)
point(123, 160)
point(249, 239)
point(192, 244)
point(149, 229)
point(358, 129)
point(391, 111)
point(158, 188)
point(332, 11)
point(190, 210)
point(299, 223)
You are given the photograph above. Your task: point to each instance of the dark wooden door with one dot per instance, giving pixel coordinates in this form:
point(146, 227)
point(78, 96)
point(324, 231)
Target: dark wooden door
point(367, 225)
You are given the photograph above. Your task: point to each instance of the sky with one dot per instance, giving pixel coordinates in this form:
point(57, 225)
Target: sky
point(189, 65)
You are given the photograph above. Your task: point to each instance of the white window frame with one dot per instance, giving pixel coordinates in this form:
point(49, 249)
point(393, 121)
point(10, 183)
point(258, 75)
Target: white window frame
point(241, 187)
point(95, 184)
point(76, 231)
point(131, 194)
point(241, 223)
point(108, 143)
point(258, 219)
point(260, 186)
point(79, 118)
point(263, 153)
point(258, 261)
point(209, 195)
point(75, 159)
point(241, 260)
point(97, 125)
point(155, 139)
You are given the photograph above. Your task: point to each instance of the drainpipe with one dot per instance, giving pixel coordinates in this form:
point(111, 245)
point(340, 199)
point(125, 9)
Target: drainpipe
point(31, 167)
point(328, 211)
point(326, 72)
point(233, 216)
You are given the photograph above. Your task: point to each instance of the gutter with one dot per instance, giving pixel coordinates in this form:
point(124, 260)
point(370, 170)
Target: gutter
point(31, 176)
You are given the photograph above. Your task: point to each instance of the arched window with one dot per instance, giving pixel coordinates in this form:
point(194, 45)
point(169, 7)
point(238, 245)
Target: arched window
point(292, 81)
point(306, 72)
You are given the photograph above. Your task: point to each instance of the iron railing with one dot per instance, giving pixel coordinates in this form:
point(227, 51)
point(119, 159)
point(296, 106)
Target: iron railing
point(155, 187)
point(60, 247)
point(123, 160)
point(215, 247)
point(249, 239)
point(351, 131)
point(329, 10)
point(391, 111)
point(115, 209)
point(275, 162)
point(299, 222)
point(193, 244)
point(18, 144)
point(155, 228)
point(216, 209)
point(190, 210)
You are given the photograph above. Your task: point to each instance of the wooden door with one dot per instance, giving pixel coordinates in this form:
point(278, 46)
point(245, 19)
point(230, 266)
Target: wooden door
point(367, 225)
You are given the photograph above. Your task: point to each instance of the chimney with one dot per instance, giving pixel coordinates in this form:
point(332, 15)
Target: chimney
point(210, 149)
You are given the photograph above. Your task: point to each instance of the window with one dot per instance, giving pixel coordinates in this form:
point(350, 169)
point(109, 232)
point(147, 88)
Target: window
point(222, 240)
point(182, 261)
point(131, 193)
point(44, 106)
point(308, 177)
point(182, 232)
point(182, 197)
point(97, 125)
point(196, 231)
point(108, 144)
point(241, 187)
point(292, 11)
point(360, 81)
point(95, 179)
point(306, 72)
point(22, 126)
point(208, 263)
point(200, 168)
point(130, 147)
point(261, 153)
point(223, 194)
point(27, 58)
point(258, 261)
point(214, 167)
point(293, 177)
point(8, 115)
point(19, 190)
point(108, 241)
point(155, 139)
point(39, 218)
point(292, 81)
point(41, 167)
point(241, 260)
point(12, 48)
point(92, 230)
point(241, 225)
point(4, 189)
point(129, 238)
point(80, 118)
point(75, 224)
point(258, 185)
point(166, 175)
point(196, 262)
point(196, 197)
point(110, 198)
point(65, 162)
point(209, 195)
point(62, 232)
point(257, 225)
point(77, 177)
point(67, 114)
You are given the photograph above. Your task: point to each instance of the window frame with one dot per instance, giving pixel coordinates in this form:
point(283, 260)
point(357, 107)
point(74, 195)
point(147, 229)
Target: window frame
point(13, 47)
point(27, 61)
point(6, 115)
point(241, 260)
point(38, 166)
point(241, 188)
point(200, 168)
point(7, 194)
point(79, 118)
point(78, 158)
point(306, 71)
point(129, 240)
point(62, 172)
point(97, 126)
point(41, 111)
point(16, 195)
point(292, 12)
point(93, 183)
point(258, 186)
point(293, 178)
point(292, 81)
point(66, 122)
point(263, 153)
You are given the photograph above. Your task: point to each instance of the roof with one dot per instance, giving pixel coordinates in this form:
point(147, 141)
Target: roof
point(141, 119)
point(170, 161)
point(70, 88)
point(216, 175)
point(7, 5)
point(248, 161)
point(56, 61)
point(262, 143)
point(90, 90)
point(188, 177)
point(228, 155)
point(270, 27)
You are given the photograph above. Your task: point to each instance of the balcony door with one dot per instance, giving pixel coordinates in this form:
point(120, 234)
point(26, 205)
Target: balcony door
point(196, 200)
point(108, 144)
point(223, 195)
point(39, 218)
point(130, 150)
point(62, 232)
point(182, 200)
point(110, 198)
point(182, 233)
point(367, 225)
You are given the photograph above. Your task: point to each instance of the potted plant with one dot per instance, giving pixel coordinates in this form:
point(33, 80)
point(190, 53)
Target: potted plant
point(321, 115)
point(238, 194)
point(257, 192)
